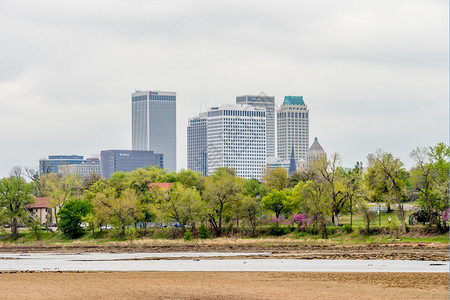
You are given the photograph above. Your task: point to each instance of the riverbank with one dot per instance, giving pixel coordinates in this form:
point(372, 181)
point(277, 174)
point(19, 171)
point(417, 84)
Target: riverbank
point(275, 247)
point(223, 285)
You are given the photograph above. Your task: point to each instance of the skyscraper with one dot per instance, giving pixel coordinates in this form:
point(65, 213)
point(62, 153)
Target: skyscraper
point(154, 124)
point(197, 155)
point(293, 128)
point(236, 136)
point(268, 102)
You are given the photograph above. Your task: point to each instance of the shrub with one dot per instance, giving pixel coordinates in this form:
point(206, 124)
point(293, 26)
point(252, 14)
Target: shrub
point(130, 233)
point(278, 230)
point(347, 228)
point(187, 235)
point(203, 232)
point(71, 216)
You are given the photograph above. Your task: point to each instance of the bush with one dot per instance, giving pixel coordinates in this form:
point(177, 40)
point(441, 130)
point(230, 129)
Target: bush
point(278, 230)
point(71, 216)
point(347, 228)
point(187, 235)
point(130, 233)
point(203, 232)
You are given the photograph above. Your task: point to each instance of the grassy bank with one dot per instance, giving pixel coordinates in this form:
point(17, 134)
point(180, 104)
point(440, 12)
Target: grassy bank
point(173, 236)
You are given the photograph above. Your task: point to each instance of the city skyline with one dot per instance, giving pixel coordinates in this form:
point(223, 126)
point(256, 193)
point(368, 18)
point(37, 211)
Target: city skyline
point(373, 74)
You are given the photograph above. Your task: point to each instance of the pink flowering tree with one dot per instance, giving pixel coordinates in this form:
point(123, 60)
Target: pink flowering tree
point(445, 215)
point(301, 220)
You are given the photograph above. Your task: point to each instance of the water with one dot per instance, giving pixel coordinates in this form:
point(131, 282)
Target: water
point(116, 262)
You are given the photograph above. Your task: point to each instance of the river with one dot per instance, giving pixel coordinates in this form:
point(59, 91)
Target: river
point(202, 262)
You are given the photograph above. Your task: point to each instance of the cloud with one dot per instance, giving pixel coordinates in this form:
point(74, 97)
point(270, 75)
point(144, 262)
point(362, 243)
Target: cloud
point(373, 73)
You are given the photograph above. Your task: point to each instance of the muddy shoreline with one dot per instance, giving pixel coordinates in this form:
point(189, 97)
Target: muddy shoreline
point(397, 251)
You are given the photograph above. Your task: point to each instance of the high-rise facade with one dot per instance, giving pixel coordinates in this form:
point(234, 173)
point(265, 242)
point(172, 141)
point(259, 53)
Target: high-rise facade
point(53, 162)
point(197, 155)
point(268, 102)
point(154, 124)
point(293, 128)
point(236, 137)
point(128, 160)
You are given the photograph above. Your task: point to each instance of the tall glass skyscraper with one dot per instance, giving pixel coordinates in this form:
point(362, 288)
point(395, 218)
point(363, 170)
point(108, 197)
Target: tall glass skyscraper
point(154, 124)
point(197, 155)
point(268, 102)
point(293, 128)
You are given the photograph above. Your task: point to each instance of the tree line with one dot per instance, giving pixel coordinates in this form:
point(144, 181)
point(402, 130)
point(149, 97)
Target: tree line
point(313, 196)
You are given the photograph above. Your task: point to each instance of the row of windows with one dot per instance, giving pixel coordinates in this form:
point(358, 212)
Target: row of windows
point(153, 97)
point(292, 115)
point(236, 113)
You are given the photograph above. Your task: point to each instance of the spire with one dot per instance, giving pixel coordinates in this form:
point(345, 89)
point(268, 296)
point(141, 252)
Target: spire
point(292, 164)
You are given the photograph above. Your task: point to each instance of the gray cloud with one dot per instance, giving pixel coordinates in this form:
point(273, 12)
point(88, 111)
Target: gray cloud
point(373, 73)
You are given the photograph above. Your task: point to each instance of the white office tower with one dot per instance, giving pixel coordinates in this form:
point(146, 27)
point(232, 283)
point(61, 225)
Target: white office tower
point(197, 159)
point(154, 124)
point(236, 136)
point(268, 102)
point(293, 128)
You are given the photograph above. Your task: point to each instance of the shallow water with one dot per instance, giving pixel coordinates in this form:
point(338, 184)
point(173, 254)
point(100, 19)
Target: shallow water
point(115, 262)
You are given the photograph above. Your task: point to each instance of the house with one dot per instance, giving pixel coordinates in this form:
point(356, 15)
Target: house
point(41, 210)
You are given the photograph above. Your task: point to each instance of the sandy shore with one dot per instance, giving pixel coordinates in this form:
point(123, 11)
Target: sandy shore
point(223, 285)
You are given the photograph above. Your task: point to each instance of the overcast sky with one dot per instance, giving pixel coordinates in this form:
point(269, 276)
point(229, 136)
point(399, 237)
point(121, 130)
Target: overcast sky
point(374, 74)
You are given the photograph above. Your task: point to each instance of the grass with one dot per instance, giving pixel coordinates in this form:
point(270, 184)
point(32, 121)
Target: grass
point(336, 236)
point(358, 219)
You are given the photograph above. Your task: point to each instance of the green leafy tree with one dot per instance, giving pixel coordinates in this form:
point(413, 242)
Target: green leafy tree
point(276, 179)
point(330, 171)
point(183, 205)
point(71, 216)
point(118, 210)
point(221, 189)
point(251, 210)
point(280, 202)
point(388, 171)
point(354, 188)
point(15, 195)
point(315, 202)
point(61, 189)
point(255, 189)
point(430, 179)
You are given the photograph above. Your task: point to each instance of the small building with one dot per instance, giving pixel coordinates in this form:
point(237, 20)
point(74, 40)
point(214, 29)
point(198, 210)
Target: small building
point(41, 210)
point(315, 152)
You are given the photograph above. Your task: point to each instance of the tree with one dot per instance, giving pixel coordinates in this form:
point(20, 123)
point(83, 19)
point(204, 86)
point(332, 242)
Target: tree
point(15, 195)
point(221, 189)
point(276, 179)
point(251, 211)
point(303, 175)
point(330, 171)
point(280, 202)
point(254, 188)
point(389, 171)
point(61, 189)
point(314, 201)
point(119, 210)
point(430, 179)
point(353, 187)
point(183, 205)
point(440, 155)
point(71, 216)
